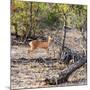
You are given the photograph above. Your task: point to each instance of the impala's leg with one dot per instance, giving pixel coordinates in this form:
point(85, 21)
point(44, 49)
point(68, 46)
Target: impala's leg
point(47, 51)
point(31, 49)
point(28, 50)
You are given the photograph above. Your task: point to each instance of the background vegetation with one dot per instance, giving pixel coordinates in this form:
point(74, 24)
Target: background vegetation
point(31, 19)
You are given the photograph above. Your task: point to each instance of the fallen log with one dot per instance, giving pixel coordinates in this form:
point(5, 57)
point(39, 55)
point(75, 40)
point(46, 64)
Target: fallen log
point(64, 75)
point(40, 60)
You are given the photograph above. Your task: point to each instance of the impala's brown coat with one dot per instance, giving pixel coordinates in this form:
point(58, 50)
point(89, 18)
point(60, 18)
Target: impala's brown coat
point(40, 44)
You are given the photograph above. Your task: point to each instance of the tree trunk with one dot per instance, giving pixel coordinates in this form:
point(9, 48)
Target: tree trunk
point(64, 75)
point(30, 30)
point(16, 31)
point(64, 37)
point(36, 25)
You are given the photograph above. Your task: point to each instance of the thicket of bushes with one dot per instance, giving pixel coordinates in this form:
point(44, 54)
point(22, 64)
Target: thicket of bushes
point(35, 16)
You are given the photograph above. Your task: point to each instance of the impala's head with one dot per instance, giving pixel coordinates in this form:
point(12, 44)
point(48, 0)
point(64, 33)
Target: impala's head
point(50, 39)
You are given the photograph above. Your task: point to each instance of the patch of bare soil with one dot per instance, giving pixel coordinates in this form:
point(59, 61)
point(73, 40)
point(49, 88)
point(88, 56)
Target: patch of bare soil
point(29, 73)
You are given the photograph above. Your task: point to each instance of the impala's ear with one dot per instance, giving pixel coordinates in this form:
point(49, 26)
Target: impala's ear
point(51, 37)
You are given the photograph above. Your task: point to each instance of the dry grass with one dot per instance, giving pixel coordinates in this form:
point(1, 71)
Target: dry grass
point(31, 74)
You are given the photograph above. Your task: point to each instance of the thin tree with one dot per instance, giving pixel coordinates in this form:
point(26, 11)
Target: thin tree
point(64, 37)
point(30, 29)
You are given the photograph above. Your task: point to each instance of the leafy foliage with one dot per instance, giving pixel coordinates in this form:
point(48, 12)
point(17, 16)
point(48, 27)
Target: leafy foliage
point(47, 15)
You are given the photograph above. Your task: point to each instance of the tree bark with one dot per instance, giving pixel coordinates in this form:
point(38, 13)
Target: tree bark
point(30, 30)
point(64, 37)
point(64, 75)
